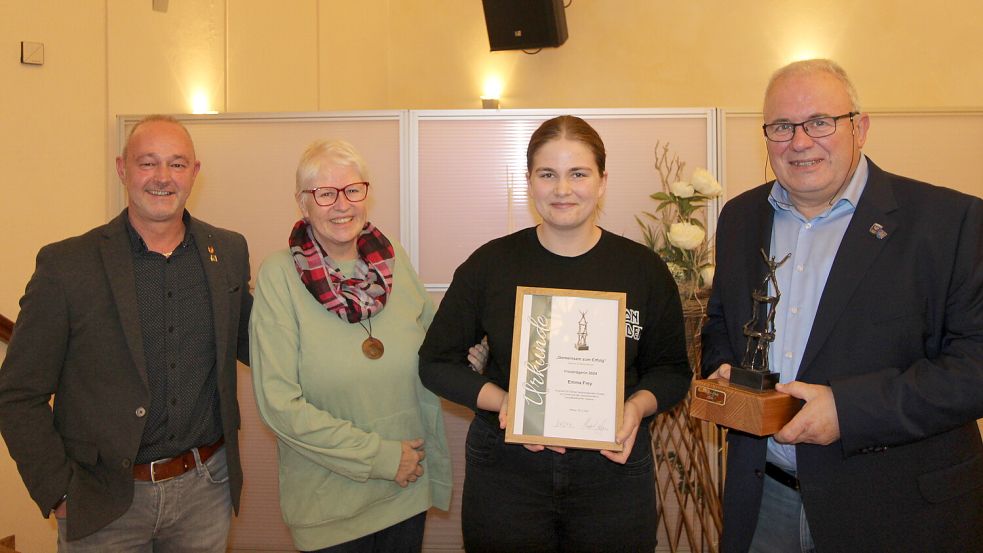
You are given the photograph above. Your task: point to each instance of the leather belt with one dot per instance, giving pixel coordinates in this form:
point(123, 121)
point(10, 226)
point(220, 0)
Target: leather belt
point(165, 469)
point(782, 477)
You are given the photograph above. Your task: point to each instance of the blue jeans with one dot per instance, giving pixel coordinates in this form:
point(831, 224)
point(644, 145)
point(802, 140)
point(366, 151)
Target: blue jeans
point(190, 513)
point(517, 500)
point(782, 525)
point(403, 537)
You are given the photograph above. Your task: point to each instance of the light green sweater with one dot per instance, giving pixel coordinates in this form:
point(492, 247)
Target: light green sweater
point(339, 417)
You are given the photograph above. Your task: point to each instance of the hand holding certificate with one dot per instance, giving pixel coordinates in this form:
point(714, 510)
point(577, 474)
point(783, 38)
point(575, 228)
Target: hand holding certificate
point(567, 374)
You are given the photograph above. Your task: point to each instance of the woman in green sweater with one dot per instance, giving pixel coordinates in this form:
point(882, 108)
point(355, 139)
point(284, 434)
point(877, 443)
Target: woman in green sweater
point(336, 325)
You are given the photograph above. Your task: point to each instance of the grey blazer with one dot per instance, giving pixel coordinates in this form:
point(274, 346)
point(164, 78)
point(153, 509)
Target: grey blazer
point(899, 337)
point(78, 337)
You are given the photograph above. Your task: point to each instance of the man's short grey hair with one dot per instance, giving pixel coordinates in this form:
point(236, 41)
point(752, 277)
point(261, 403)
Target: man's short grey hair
point(154, 119)
point(819, 65)
point(325, 153)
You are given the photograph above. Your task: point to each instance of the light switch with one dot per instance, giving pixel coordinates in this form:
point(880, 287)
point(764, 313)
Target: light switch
point(32, 53)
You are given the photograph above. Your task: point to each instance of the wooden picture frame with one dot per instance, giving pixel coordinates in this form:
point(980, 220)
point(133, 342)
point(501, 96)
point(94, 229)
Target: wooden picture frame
point(566, 385)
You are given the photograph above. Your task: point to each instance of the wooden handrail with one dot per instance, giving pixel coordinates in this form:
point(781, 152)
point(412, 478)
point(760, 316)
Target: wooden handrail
point(6, 329)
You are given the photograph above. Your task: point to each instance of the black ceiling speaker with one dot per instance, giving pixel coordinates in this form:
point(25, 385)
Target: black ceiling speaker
point(525, 24)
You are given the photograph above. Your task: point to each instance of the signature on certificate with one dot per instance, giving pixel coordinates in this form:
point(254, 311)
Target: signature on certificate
point(600, 426)
point(586, 424)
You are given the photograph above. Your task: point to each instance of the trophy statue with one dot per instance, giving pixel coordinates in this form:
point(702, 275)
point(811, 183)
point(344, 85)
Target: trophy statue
point(753, 373)
point(749, 401)
point(582, 332)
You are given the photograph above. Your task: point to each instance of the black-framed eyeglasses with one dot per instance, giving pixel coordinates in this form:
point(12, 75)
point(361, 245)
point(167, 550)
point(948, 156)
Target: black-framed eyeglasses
point(814, 128)
point(326, 196)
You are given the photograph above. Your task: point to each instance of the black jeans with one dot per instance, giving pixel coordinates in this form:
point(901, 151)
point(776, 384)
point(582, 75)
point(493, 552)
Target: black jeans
point(517, 500)
point(404, 537)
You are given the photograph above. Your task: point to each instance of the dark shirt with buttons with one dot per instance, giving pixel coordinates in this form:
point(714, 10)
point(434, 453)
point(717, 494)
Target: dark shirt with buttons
point(179, 349)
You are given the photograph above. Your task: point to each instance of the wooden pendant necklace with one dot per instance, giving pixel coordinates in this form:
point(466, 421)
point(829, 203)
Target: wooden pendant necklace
point(371, 347)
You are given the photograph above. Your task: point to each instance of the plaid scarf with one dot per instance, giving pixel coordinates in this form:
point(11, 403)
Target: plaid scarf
point(352, 299)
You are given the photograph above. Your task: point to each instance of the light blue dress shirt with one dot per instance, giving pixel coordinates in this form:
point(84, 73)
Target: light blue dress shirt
point(813, 244)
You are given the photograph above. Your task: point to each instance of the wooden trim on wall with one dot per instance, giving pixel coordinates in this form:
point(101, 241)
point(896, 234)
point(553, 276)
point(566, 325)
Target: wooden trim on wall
point(6, 329)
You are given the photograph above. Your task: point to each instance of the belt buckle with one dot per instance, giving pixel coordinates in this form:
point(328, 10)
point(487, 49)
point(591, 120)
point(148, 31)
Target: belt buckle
point(153, 474)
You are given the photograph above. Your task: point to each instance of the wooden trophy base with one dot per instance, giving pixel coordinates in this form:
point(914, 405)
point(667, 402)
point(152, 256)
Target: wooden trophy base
point(758, 413)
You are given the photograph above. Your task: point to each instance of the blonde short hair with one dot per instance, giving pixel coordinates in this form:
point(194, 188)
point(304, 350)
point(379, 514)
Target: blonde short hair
point(327, 152)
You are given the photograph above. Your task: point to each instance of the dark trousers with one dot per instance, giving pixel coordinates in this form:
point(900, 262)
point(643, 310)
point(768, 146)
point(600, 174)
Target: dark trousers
point(518, 500)
point(405, 537)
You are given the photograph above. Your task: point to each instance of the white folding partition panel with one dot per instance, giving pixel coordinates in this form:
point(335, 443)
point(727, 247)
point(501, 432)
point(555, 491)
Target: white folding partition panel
point(248, 162)
point(443, 182)
point(470, 169)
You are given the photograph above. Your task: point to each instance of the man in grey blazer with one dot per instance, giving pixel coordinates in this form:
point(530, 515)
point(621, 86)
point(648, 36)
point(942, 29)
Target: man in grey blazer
point(879, 330)
point(135, 328)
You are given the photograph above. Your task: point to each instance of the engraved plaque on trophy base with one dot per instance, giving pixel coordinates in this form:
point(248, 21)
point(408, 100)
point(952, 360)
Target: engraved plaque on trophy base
point(758, 413)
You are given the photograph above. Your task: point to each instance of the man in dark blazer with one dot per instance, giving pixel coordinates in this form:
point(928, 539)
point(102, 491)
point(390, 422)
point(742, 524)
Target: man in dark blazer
point(879, 330)
point(135, 328)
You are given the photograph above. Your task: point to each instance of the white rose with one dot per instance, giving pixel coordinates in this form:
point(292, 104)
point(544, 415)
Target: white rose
point(682, 189)
point(686, 235)
point(706, 274)
point(704, 183)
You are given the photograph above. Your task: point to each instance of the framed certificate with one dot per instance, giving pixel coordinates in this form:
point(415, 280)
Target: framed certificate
point(567, 375)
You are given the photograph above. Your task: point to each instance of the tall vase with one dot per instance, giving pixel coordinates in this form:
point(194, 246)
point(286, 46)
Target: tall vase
point(694, 302)
point(687, 456)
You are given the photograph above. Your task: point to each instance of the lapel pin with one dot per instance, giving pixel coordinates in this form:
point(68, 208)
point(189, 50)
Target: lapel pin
point(877, 230)
point(211, 255)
